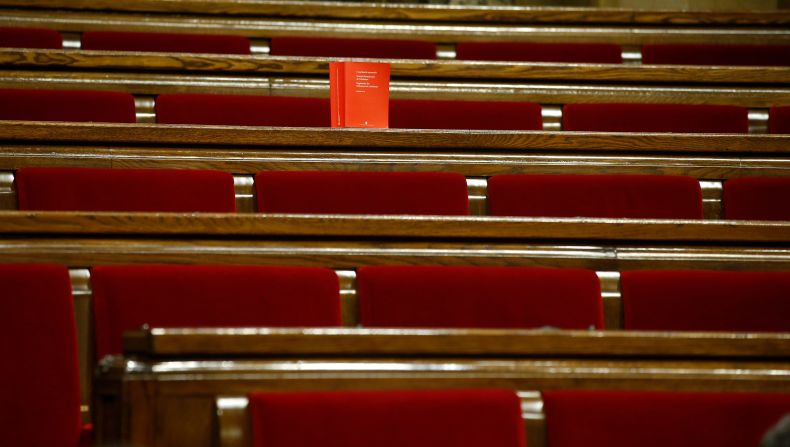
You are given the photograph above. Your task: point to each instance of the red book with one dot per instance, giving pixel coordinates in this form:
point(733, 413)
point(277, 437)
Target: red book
point(359, 94)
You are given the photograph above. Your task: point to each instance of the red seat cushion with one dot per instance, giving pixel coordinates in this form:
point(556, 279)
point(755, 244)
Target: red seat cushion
point(452, 418)
point(239, 110)
point(38, 347)
point(165, 42)
point(346, 192)
point(369, 48)
point(489, 115)
point(66, 105)
point(87, 189)
point(601, 53)
point(695, 300)
point(660, 419)
point(126, 297)
point(682, 118)
point(701, 54)
point(779, 119)
point(30, 38)
point(757, 198)
point(627, 196)
point(488, 297)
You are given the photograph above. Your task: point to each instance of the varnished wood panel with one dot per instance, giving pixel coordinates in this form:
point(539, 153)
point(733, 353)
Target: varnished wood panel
point(481, 141)
point(417, 12)
point(173, 343)
point(545, 93)
point(447, 69)
point(212, 225)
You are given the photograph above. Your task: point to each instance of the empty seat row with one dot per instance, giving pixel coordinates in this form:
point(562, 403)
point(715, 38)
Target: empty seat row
point(493, 418)
point(606, 53)
point(208, 109)
point(416, 193)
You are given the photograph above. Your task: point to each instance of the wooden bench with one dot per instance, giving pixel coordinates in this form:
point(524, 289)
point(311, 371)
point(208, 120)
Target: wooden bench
point(165, 391)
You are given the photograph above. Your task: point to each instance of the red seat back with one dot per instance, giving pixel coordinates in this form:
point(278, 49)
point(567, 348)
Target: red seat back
point(601, 53)
point(627, 196)
point(126, 297)
point(488, 115)
point(779, 120)
point(30, 38)
point(346, 192)
point(238, 110)
point(711, 54)
point(38, 347)
point(453, 418)
point(66, 105)
point(697, 300)
point(660, 419)
point(757, 198)
point(87, 189)
point(369, 48)
point(682, 118)
point(165, 42)
point(487, 297)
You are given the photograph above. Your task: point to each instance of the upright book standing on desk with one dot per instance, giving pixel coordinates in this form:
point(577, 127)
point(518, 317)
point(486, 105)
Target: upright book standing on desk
point(359, 94)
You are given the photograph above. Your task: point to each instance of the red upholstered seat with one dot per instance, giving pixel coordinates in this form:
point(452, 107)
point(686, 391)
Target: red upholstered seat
point(165, 42)
point(87, 189)
point(66, 105)
point(698, 300)
point(240, 110)
point(779, 119)
point(30, 38)
point(627, 196)
point(683, 118)
point(368, 48)
point(39, 389)
point(451, 418)
point(701, 54)
point(488, 297)
point(126, 297)
point(346, 192)
point(757, 198)
point(489, 115)
point(601, 53)
point(660, 419)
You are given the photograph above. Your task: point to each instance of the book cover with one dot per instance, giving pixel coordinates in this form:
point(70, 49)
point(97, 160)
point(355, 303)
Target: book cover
point(359, 94)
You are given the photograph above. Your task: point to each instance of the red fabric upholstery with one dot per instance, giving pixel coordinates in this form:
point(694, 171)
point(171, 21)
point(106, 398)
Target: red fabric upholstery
point(452, 418)
point(683, 118)
point(126, 297)
point(346, 192)
point(628, 196)
point(86, 189)
point(696, 300)
point(86, 436)
point(757, 198)
point(660, 419)
point(488, 297)
point(238, 110)
point(369, 48)
point(601, 53)
point(39, 390)
point(30, 38)
point(691, 54)
point(66, 105)
point(779, 120)
point(165, 42)
point(489, 115)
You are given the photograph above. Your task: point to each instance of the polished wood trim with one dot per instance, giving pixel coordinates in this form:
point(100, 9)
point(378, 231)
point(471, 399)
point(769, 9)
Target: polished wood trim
point(154, 83)
point(418, 12)
point(369, 226)
point(445, 69)
point(173, 343)
point(482, 140)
